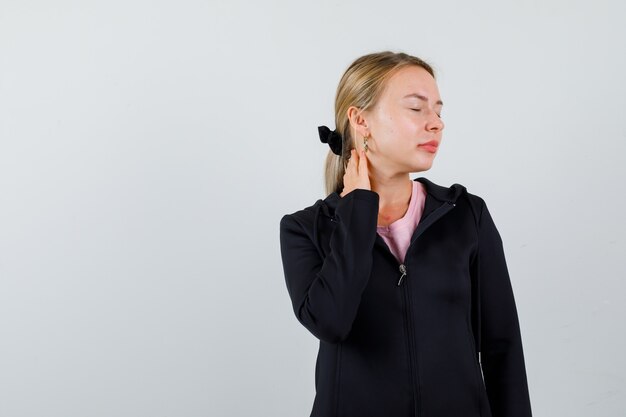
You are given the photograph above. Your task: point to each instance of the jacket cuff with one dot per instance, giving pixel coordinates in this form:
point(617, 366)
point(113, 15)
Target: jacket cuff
point(362, 194)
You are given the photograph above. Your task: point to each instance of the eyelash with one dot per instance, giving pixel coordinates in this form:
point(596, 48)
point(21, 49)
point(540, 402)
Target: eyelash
point(421, 109)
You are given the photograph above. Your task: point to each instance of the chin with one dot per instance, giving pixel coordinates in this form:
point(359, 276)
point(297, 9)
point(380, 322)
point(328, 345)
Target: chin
point(421, 167)
point(425, 163)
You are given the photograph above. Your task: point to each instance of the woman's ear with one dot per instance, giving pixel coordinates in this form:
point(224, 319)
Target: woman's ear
point(358, 121)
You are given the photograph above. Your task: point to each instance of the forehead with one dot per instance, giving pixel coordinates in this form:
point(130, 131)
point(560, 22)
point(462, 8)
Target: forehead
point(412, 80)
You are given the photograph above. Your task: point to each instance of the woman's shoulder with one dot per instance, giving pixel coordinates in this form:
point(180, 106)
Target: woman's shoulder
point(303, 218)
point(304, 214)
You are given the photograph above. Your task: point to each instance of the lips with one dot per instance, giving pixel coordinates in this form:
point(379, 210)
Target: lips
point(430, 146)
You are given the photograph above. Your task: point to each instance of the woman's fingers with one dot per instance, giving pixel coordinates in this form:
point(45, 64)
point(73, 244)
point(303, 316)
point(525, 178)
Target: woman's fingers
point(352, 163)
point(364, 175)
point(362, 162)
point(356, 174)
point(363, 172)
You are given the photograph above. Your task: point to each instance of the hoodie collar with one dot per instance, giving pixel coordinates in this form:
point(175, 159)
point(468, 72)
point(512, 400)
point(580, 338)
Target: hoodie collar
point(433, 191)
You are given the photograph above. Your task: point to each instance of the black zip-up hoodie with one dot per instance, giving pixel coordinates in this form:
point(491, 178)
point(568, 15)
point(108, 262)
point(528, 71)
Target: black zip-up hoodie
point(406, 339)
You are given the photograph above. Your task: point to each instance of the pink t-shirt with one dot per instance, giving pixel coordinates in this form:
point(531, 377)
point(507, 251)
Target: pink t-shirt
point(398, 234)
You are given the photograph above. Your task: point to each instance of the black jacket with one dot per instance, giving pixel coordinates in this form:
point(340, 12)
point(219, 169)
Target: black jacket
point(402, 340)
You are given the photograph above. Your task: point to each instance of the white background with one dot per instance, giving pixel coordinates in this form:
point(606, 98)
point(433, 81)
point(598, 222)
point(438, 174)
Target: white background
point(149, 149)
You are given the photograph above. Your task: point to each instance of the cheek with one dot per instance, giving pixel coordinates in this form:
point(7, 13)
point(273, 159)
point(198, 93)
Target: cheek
point(386, 127)
point(398, 124)
point(393, 127)
point(407, 126)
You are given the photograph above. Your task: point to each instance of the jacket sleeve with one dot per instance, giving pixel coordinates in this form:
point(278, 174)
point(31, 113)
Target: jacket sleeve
point(502, 355)
point(326, 293)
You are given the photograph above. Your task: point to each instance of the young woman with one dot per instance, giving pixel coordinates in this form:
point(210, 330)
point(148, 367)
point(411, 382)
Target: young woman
point(404, 282)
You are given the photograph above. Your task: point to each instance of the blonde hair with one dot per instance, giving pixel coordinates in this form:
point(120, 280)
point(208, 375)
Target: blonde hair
point(361, 86)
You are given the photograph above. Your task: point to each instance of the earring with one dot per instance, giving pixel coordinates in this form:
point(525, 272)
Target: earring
point(365, 143)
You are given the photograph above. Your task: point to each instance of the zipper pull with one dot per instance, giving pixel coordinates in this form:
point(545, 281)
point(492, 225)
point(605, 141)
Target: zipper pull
point(403, 270)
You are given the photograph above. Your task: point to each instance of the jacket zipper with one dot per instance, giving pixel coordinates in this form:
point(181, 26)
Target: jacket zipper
point(413, 367)
point(407, 310)
point(424, 225)
point(403, 271)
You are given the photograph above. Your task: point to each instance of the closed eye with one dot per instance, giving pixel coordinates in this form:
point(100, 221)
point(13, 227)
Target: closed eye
point(421, 110)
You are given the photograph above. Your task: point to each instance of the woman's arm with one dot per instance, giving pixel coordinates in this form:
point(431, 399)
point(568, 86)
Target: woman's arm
point(326, 293)
point(502, 355)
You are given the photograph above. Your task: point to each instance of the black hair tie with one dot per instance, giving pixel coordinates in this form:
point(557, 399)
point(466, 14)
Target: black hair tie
point(332, 137)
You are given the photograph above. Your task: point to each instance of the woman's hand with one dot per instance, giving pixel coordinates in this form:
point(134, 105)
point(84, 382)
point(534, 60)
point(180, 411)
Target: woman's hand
point(357, 174)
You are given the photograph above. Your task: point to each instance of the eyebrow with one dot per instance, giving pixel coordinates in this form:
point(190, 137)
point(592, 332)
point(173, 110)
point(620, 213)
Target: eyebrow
point(421, 97)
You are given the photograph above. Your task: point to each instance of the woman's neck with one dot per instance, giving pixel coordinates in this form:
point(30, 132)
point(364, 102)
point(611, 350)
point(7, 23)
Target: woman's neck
point(394, 192)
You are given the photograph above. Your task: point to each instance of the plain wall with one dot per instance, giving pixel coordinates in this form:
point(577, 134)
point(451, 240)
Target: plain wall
point(149, 149)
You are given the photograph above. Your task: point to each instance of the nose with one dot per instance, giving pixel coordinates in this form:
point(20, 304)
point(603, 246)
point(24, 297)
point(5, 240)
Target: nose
point(434, 122)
